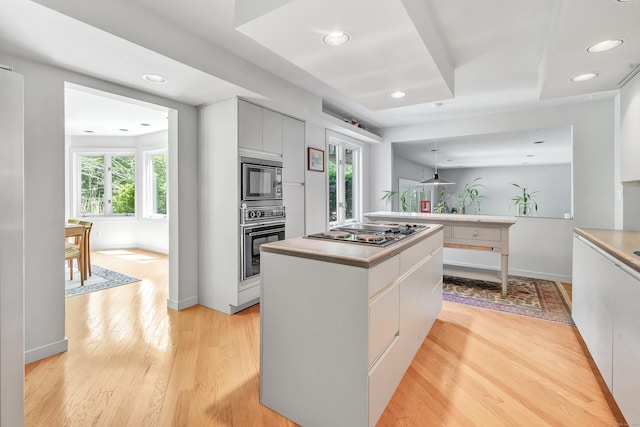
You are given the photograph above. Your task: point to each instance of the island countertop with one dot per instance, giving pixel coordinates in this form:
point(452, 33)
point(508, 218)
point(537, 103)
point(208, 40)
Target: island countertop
point(352, 254)
point(618, 243)
point(408, 216)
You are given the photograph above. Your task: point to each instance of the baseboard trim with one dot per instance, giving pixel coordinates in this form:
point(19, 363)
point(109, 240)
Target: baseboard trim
point(40, 353)
point(181, 305)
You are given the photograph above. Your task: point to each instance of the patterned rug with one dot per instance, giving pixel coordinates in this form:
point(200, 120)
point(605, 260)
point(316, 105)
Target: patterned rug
point(101, 278)
point(542, 299)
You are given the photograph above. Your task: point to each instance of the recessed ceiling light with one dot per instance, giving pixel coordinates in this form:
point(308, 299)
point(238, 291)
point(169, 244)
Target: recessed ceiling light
point(336, 38)
point(584, 77)
point(155, 78)
point(604, 45)
point(88, 131)
point(398, 94)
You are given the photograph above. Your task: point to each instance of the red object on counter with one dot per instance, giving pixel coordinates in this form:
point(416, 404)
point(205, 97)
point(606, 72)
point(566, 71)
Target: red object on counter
point(425, 206)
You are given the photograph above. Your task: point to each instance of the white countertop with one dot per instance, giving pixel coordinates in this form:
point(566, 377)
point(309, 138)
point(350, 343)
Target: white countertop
point(352, 254)
point(408, 216)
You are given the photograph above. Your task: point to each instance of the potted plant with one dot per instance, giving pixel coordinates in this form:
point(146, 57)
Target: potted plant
point(524, 201)
point(403, 199)
point(441, 206)
point(470, 195)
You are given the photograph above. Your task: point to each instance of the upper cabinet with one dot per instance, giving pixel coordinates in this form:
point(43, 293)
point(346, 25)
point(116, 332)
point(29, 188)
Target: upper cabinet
point(630, 131)
point(292, 150)
point(259, 129)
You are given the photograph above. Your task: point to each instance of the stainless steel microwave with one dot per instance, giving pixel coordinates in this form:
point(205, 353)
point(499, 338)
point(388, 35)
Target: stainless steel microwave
point(261, 179)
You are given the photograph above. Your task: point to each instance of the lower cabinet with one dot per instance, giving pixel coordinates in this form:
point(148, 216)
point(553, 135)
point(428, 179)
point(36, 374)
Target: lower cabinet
point(336, 340)
point(626, 343)
point(605, 295)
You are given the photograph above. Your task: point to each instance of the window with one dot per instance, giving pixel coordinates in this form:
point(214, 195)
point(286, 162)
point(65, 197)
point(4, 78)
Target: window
point(155, 185)
point(107, 184)
point(344, 182)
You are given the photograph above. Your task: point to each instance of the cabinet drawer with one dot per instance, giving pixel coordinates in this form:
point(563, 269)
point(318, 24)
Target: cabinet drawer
point(412, 256)
point(382, 275)
point(384, 321)
point(477, 233)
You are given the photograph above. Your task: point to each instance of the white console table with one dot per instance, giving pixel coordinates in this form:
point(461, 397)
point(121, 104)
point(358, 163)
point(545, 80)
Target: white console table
point(477, 232)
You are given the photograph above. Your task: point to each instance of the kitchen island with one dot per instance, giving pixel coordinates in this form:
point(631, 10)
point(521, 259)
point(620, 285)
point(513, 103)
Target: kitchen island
point(476, 232)
point(341, 322)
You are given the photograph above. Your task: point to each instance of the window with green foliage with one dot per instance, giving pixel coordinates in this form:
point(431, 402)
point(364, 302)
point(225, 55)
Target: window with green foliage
point(156, 183)
point(107, 185)
point(343, 183)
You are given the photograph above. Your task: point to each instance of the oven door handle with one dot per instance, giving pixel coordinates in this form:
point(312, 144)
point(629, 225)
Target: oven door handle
point(262, 233)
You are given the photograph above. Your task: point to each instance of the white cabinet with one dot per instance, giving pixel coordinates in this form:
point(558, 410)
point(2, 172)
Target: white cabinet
point(336, 339)
point(271, 131)
point(293, 201)
point(605, 295)
point(292, 150)
point(249, 126)
point(591, 304)
point(626, 343)
point(259, 129)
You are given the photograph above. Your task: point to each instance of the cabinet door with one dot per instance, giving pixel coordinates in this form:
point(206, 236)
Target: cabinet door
point(626, 343)
point(249, 126)
point(430, 294)
point(293, 200)
point(591, 308)
point(292, 150)
point(271, 131)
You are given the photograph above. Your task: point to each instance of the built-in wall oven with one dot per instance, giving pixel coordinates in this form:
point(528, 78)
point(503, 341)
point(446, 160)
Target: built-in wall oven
point(261, 181)
point(258, 225)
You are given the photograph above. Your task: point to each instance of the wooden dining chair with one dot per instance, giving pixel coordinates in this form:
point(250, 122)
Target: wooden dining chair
point(73, 249)
point(87, 245)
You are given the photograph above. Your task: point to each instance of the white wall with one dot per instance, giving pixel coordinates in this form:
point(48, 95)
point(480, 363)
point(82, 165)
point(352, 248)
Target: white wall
point(315, 184)
point(630, 152)
point(45, 208)
point(594, 127)
point(552, 183)
point(11, 250)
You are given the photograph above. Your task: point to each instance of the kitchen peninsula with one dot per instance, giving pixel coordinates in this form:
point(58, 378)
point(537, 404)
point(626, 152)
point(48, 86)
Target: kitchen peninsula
point(476, 232)
point(341, 322)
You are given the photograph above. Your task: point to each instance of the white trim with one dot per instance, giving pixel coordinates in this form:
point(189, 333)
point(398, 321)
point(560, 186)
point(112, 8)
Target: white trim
point(181, 305)
point(46, 351)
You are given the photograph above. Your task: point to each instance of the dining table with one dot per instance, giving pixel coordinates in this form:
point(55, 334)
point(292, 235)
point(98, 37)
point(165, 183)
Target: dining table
point(78, 231)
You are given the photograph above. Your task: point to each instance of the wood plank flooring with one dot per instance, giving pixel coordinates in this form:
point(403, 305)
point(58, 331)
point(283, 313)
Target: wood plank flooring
point(133, 362)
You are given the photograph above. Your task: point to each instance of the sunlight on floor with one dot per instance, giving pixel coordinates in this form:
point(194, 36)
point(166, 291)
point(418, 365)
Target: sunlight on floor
point(143, 259)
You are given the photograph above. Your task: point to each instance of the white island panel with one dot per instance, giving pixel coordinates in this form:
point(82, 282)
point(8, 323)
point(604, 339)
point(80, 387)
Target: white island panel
point(340, 324)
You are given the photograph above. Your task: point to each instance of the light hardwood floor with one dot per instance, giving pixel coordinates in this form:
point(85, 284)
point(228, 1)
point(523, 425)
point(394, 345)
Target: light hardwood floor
point(133, 362)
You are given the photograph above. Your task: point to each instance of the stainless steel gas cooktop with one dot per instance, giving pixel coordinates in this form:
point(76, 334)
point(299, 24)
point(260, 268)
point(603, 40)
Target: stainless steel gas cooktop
point(369, 234)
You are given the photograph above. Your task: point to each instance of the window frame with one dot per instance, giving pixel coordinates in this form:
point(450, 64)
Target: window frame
point(148, 190)
point(108, 183)
point(341, 143)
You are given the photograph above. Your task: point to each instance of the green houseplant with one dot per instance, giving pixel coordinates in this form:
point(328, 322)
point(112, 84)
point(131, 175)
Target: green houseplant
point(470, 195)
point(524, 201)
point(403, 199)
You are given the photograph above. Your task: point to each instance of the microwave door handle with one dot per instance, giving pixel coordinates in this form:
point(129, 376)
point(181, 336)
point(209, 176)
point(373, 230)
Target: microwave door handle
point(262, 233)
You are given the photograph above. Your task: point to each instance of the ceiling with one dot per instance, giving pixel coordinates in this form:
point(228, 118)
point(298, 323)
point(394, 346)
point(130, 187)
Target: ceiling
point(473, 57)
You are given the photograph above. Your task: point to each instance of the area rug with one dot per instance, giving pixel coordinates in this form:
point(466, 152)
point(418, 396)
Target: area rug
point(542, 299)
point(101, 278)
